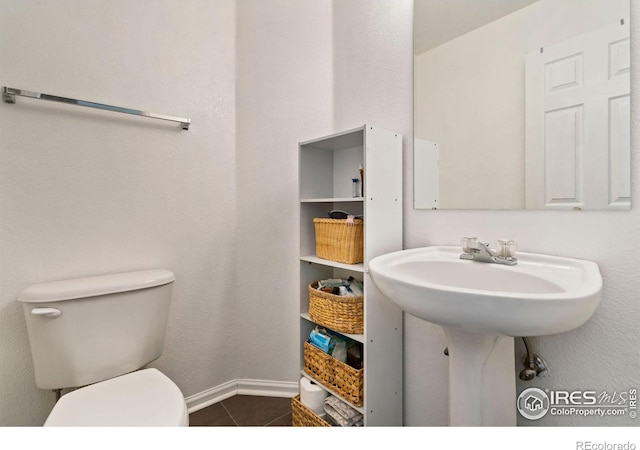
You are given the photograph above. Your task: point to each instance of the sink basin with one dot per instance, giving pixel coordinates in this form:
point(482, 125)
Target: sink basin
point(481, 307)
point(540, 295)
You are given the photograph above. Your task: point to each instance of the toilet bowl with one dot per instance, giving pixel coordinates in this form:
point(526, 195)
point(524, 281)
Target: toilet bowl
point(146, 398)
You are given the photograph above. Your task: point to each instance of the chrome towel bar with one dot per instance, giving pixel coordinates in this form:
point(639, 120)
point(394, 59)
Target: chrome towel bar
point(9, 96)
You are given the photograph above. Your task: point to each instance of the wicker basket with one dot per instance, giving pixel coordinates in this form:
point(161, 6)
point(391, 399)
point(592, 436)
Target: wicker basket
point(337, 312)
point(303, 416)
point(341, 378)
point(337, 241)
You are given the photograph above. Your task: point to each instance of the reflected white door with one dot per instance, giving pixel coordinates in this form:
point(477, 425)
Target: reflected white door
point(577, 122)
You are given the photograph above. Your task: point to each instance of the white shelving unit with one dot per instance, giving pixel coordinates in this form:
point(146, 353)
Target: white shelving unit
point(326, 168)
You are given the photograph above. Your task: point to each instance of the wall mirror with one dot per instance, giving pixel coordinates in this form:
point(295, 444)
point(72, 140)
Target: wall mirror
point(522, 104)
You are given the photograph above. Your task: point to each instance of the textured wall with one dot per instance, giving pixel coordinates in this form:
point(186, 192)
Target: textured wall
point(283, 97)
point(87, 192)
point(373, 76)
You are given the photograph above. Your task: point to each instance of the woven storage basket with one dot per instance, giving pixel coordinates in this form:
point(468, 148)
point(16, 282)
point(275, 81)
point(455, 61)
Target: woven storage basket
point(337, 241)
point(341, 378)
point(303, 416)
point(338, 312)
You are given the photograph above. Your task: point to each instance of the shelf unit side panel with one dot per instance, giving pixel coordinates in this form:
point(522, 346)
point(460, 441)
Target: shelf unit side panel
point(383, 359)
point(383, 192)
point(383, 319)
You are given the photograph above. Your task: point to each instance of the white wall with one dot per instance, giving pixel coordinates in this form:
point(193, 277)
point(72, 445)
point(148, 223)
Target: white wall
point(469, 96)
point(283, 97)
point(373, 69)
point(87, 192)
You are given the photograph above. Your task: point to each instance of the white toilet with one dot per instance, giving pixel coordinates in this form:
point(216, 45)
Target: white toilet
point(97, 332)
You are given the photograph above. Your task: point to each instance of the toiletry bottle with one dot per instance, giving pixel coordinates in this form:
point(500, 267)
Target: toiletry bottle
point(355, 188)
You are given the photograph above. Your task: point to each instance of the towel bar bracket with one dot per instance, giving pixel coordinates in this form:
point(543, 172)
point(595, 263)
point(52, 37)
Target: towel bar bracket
point(7, 97)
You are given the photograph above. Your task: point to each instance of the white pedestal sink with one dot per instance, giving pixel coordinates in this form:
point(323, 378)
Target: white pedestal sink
point(481, 307)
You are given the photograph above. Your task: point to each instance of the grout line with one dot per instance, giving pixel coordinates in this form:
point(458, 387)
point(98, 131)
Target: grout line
point(277, 418)
point(227, 411)
point(287, 413)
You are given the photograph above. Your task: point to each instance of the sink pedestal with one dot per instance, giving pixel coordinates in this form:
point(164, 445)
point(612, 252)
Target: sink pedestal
point(482, 385)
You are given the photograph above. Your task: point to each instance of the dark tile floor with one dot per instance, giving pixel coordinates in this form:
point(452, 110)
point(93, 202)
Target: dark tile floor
point(244, 410)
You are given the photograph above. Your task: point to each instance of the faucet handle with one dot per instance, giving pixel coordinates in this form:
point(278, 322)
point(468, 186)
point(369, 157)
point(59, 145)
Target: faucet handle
point(469, 244)
point(506, 248)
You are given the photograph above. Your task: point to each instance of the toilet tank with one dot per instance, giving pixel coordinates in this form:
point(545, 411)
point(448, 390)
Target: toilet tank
point(86, 330)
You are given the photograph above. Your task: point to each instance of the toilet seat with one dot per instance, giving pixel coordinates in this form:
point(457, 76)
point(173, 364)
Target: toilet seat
point(145, 398)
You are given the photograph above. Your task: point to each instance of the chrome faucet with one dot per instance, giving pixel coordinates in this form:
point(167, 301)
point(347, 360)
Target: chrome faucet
point(480, 251)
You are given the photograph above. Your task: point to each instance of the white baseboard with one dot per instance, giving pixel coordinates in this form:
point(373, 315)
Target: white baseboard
point(263, 388)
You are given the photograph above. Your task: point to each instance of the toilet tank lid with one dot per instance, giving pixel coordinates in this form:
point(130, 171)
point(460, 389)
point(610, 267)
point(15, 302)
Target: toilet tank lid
point(96, 285)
